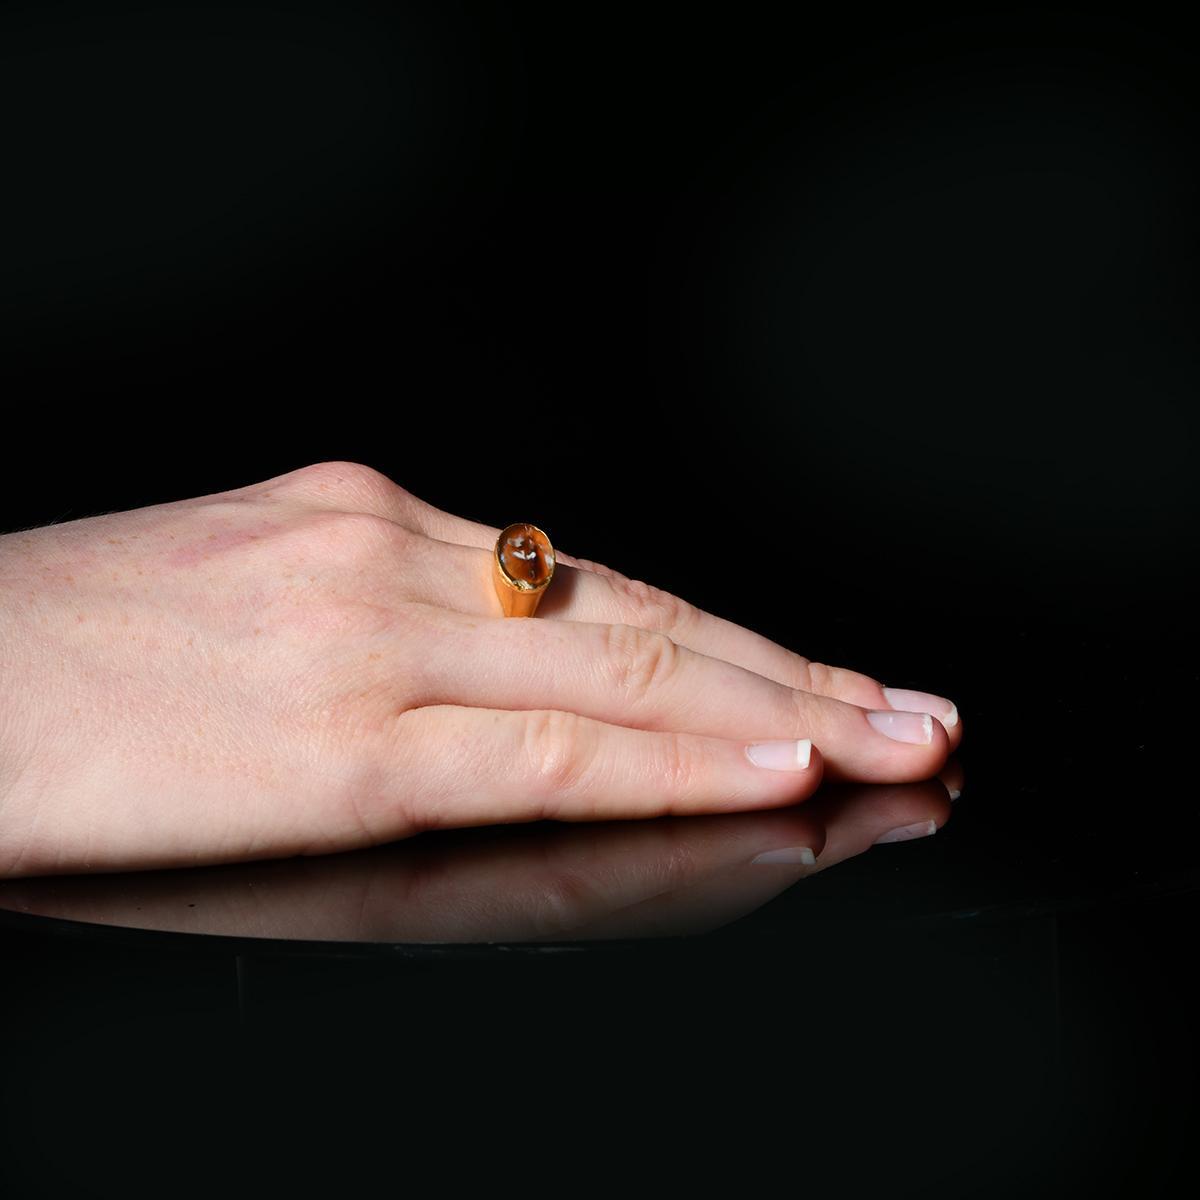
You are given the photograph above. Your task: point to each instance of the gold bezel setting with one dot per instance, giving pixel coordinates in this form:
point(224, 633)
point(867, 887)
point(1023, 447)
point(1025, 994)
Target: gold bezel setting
point(519, 597)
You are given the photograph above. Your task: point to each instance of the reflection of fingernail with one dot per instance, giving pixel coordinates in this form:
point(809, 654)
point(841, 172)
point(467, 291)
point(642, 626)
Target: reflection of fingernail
point(954, 793)
point(781, 756)
point(906, 833)
point(923, 702)
point(787, 854)
point(916, 728)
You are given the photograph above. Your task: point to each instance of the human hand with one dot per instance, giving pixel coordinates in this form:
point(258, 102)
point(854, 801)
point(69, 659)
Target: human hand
point(532, 883)
point(314, 663)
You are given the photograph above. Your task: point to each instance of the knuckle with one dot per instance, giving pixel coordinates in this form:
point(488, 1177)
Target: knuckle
point(557, 751)
point(676, 767)
point(345, 482)
point(650, 607)
point(352, 537)
point(643, 662)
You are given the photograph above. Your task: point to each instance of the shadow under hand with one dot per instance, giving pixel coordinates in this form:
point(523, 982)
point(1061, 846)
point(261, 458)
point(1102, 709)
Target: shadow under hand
point(529, 883)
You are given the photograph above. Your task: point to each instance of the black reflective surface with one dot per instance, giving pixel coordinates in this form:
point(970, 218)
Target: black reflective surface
point(579, 886)
point(1008, 1003)
point(899, 301)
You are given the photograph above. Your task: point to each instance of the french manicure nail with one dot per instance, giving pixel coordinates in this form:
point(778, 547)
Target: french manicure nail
point(913, 727)
point(781, 756)
point(906, 833)
point(787, 854)
point(905, 700)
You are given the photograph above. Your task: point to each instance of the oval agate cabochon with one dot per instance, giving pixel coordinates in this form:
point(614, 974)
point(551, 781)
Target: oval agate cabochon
point(526, 556)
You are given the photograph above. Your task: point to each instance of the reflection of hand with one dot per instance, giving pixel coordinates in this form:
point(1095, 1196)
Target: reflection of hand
point(535, 883)
point(314, 663)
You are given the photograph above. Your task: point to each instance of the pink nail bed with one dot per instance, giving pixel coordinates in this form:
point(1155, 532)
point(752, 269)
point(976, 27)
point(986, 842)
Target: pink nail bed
point(916, 728)
point(781, 756)
point(906, 700)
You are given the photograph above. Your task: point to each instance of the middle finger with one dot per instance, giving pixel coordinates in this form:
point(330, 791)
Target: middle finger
point(625, 675)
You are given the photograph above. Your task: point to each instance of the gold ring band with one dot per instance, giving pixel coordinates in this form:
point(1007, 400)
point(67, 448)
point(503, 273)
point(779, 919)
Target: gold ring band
point(522, 567)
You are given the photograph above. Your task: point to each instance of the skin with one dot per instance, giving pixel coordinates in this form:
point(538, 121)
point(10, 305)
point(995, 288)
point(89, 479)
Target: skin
point(316, 663)
point(542, 882)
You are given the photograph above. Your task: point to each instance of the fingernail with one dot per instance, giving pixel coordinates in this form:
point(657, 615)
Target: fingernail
point(906, 833)
point(913, 727)
point(781, 756)
point(952, 792)
point(923, 702)
point(787, 854)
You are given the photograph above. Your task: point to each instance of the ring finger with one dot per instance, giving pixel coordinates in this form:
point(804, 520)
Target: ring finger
point(625, 675)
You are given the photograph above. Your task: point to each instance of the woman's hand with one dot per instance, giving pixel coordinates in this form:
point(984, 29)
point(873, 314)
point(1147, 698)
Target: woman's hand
point(316, 663)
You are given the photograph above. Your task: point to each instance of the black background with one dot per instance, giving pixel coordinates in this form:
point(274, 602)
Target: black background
point(900, 303)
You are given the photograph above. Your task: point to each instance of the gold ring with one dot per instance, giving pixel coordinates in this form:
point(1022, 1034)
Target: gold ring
point(522, 567)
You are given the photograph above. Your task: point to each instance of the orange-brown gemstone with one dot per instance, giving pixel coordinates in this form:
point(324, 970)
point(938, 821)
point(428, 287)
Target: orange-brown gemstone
point(526, 556)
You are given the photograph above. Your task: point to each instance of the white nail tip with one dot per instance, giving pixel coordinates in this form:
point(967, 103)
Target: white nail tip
point(927, 725)
point(952, 719)
point(781, 756)
point(793, 855)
